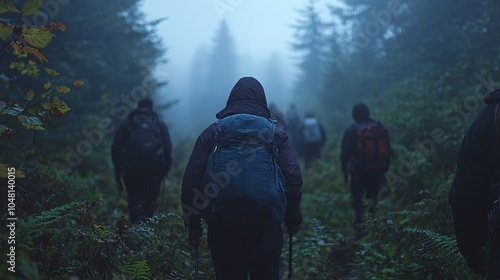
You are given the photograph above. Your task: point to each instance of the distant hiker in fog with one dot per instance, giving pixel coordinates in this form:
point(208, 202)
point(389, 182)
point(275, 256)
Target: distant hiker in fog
point(312, 139)
point(232, 179)
point(277, 114)
point(141, 154)
point(293, 119)
point(365, 155)
point(475, 192)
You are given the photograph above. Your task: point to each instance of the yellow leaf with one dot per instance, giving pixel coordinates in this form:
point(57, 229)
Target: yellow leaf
point(38, 37)
point(51, 72)
point(47, 85)
point(4, 171)
point(63, 89)
point(77, 83)
point(60, 105)
point(30, 94)
point(31, 7)
point(47, 106)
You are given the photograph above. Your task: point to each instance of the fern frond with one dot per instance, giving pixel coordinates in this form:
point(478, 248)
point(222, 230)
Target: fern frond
point(137, 270)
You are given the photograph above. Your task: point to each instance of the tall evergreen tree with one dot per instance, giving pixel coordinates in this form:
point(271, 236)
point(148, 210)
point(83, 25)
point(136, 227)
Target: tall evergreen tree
point(310, 47)
point(221, 75)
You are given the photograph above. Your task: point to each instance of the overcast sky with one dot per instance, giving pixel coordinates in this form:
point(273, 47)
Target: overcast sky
point(258, 27)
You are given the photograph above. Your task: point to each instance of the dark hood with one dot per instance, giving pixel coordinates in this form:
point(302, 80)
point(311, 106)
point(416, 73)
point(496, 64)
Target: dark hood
point(360, 112)
point(248, 97)
point(492, 97)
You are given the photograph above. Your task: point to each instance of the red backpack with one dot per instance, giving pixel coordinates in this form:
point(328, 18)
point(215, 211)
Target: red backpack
point(373, 149)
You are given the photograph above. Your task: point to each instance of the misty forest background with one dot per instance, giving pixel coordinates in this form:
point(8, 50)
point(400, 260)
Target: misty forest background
point(421, 66)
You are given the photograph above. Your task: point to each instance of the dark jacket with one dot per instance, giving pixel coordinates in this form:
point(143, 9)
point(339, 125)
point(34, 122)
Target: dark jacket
point(349, 145)
point(471, 194)
point(247, 96)
point(117, 149)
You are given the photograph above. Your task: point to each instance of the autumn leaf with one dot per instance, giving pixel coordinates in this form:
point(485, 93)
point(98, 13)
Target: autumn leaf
point(29, 50)
point(31, 122)
point(31, 7)
point(57, 107)
point(58, 25)
point(60, 105)
point(38, 37)
point(63, 89)
point(30, 94)
point(56, 112)
point(51, 72)
point(47, 85)
point(7, 7)
point(77, 83)
point(5, 132)
point(4, 171)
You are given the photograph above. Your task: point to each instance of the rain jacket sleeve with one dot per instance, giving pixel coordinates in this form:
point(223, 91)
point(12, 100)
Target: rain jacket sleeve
point(192, 198)
point(293, 178)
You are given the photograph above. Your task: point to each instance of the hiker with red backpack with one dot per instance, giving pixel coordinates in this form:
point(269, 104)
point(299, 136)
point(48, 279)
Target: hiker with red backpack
point(243, 179)
point(141, 155)
point(365, 155)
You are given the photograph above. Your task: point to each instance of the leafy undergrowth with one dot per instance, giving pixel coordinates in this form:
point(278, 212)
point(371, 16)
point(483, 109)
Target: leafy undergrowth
point(78, 229)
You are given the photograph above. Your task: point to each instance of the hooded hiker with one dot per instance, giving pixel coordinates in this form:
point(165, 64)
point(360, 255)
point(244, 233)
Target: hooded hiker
point(141, 155)
point(243, 178)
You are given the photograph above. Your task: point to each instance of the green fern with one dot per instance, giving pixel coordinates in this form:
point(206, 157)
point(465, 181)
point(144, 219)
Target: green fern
point(438, 254)
point(136, 270)
point(47, 222)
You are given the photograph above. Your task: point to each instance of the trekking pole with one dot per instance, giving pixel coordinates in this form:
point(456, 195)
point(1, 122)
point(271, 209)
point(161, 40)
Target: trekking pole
point(196, 260)
point(290, 257)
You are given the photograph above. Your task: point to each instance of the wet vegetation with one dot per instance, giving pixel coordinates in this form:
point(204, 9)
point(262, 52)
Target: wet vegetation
point(71, 70)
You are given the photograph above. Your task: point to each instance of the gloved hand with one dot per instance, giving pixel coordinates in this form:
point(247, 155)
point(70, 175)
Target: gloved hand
point(194, 236)
point(293, 229)
point(476, 262)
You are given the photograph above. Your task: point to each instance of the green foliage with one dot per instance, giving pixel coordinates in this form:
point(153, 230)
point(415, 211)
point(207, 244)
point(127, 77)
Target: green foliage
point(32, 107)
point(137, 270)
point(419, 79)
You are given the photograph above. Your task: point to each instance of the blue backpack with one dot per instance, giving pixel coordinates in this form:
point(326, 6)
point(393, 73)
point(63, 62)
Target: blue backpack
point(243, 180)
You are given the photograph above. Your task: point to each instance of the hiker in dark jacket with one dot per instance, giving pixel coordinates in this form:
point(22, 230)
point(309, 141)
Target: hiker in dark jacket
point(142, 179)
point(363, 182)
point(312, 138)
point(238, 252)
point(476, 187)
